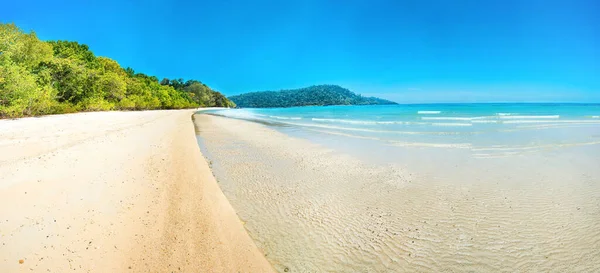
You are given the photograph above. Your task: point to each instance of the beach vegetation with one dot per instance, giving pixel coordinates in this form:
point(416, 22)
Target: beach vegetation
point(53, 77)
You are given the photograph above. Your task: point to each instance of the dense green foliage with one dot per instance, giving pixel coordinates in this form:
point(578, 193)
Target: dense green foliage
point(313, 95)
point(199, 92)
point(38, 78)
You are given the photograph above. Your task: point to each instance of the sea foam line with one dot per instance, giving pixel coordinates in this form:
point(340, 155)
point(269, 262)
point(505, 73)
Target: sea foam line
point(431, 145)
point(340, 128)
point(484, 121)
point(344, 134)
point(344, 121)
point(452, 124)
point(551, 121)
point(428, 112)
point(349, 121)
point(453, 118)
point(554, 126)
point(239, 114)
point(292, 118)
point(531, 117)
point(368, 130)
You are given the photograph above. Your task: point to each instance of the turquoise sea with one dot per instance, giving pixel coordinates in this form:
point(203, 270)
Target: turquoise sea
point(485, 130)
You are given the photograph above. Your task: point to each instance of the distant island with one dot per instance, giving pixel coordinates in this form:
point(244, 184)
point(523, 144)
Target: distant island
point(317, 95)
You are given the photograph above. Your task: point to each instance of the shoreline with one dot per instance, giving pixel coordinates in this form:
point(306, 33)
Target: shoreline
point(113, 192)
point(314, 207)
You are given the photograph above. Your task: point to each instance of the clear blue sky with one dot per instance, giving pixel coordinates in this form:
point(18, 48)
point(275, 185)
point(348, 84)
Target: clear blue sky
point(407, 51)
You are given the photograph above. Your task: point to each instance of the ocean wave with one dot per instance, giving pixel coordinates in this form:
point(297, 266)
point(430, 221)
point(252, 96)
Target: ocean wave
point(344, 134)
point(348, 121)
point(531, 117)
point(431, 145)
point(279, 117)
point(506, 148)
point(495, 155)
point(545, 126)
point(339, 128)
point(239, 114)
point(428, 112)
point(452, 124)
point(369, 130)
point(453, 118)
point(484, 121)
point(551, 121)
point(555, 126)
point(595, 116)
point(361, 122)
point(505, 114)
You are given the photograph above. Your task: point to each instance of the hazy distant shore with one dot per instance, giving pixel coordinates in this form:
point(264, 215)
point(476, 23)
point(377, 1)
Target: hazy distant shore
point(310, 208)
point(114, 192)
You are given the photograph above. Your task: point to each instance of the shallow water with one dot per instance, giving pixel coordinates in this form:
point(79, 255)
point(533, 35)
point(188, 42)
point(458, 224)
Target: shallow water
point(489, 130)
point(337, 201)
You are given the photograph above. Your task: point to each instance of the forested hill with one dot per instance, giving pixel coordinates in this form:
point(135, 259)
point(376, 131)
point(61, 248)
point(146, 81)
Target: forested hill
point(314, 95)
point(40, 78)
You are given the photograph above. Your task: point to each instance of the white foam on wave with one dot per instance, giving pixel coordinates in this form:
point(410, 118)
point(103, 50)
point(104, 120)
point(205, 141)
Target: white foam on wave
point(431, 145)
point(505, 114)
point(360, 122)
point(551, 121)
point(556, 125)
point(453, 124)
point(595, 116)
point(367, 130)
point(496, 155)
point(339, 128)
point(239, 114)
point(505, 148)
point(344, 134)
point(484, 121)
point(292, 118)
point(531, 117)
point(428, 112)
point(348, 121)
point(453, 118)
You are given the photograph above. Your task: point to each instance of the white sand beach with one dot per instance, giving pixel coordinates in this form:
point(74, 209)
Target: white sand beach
point(115, 192)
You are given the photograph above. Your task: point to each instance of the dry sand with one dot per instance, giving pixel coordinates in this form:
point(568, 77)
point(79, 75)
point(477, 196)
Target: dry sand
point(115, 192)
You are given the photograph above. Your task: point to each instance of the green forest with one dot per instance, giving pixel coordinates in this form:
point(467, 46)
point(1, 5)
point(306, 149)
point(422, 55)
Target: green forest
point(314, 95)
point(54, 77)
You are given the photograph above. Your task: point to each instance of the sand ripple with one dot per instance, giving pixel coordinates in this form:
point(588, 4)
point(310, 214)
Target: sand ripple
point(312, 210)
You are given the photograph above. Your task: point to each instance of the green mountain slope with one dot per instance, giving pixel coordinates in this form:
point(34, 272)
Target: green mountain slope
point(313, 95)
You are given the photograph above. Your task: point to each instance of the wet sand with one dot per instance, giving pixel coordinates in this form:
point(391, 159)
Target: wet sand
point(115, 192)
point(313, 209)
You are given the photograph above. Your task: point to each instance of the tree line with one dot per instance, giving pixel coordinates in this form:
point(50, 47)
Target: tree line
point(319, 95)
point(54, 77)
